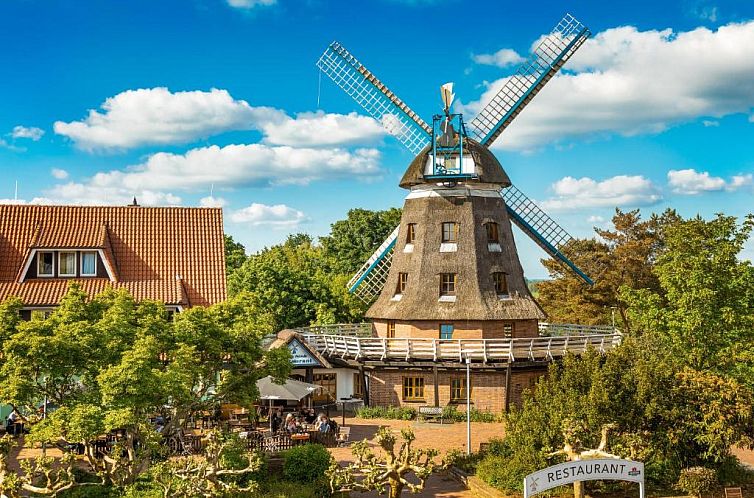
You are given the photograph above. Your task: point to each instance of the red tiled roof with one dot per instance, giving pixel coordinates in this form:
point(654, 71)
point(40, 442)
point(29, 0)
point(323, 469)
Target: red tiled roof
point(175, 255)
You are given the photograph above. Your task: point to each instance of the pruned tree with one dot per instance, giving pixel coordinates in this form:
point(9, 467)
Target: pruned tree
point(388, 471)
point(38, 476)
point(210, 475)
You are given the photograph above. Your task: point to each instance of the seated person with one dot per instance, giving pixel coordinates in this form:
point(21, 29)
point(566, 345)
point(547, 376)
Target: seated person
point(323, 423)
point(310, 417)
point(290, 424)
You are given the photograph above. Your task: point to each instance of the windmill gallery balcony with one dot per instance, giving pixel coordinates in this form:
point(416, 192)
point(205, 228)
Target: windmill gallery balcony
point(355, 342)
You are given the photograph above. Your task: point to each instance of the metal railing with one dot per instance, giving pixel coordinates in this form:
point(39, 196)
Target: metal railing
point(458, 350)
point(557, 329)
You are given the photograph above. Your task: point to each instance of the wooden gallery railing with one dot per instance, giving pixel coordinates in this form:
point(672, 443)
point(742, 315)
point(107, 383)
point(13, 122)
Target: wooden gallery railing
point(458, 350)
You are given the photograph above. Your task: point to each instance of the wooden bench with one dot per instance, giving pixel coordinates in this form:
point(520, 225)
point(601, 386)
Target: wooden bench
point(431, 412)
point(733, 493)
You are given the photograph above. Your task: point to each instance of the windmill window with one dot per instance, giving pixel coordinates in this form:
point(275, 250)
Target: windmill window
point(457, 389)
point(508, 330)
point(446, 330)
point(410, 233)
point(501, 283)
point(67, 264)
point(45, 264)
point(493, 235)
point(402, 283)
point(89, 264)
point(391, 329)
point(413, 388)
point(449, 232)
point(448, 284)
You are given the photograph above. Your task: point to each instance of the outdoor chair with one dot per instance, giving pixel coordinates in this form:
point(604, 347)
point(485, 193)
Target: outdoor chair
point(733, 493)
point(344, 436)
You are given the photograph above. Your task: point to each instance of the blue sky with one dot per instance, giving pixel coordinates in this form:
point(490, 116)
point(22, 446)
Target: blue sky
point(214, 102)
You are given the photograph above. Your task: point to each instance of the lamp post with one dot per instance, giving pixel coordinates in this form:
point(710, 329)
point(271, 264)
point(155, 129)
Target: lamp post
point(468, 405)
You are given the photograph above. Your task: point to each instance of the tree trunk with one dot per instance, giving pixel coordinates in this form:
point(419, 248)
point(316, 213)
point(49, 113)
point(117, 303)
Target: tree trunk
point(395, 488)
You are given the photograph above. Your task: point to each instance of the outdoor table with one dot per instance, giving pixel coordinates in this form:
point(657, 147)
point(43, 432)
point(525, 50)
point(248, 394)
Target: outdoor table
point(299, 439)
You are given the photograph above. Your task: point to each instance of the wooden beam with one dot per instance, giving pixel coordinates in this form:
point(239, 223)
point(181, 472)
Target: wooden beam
point(437, 385)
point(364, 385)
point(507, 387)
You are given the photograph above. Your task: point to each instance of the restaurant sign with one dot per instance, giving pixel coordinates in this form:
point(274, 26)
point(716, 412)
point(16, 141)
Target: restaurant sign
point(301, 356)
point(584, 470)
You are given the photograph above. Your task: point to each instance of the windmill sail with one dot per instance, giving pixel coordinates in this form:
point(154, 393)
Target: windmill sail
point(540, 228)
point(377, 99)
point(549, 56)
point(370, 279)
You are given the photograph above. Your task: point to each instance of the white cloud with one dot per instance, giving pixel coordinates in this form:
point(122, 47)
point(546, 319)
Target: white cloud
point(58, 173)
point(502, 58)
point(595, 219)
point(108, 195)
point(313, 129)
point(692, 182)
point(154, 116)
point(618, 191)
point(32, 132)
point(627, 81)
point(230, 166)
point(277, 216)
point(5, 145)
point(250, 4)
point(710, 122)
point(35, 200)
point(157, 116)
point(212, 201)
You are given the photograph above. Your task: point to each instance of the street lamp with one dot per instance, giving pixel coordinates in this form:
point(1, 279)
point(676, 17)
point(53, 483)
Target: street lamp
point(468, 405)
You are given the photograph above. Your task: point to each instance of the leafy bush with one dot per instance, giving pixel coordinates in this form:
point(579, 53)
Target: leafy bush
point(92, 492)
point(451, 412)
point(506, 473)
point(696, 480)
point(389, 412)
point(459, 459)
point(731, 472)
point(307, 464)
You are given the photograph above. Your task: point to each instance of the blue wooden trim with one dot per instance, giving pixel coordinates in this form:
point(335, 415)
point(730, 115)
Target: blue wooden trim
point(531, 89)
point(371, 267)
point(551, 248)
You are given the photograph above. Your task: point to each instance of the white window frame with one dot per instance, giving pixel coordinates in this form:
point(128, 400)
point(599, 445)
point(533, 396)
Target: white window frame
point(81, 263)
point(75, 263)
point(45, 275)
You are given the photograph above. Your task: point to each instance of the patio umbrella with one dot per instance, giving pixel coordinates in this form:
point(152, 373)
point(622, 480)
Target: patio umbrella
point(292, 390)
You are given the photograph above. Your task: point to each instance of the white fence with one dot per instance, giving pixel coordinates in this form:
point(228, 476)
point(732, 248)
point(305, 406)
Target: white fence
point(476, 350)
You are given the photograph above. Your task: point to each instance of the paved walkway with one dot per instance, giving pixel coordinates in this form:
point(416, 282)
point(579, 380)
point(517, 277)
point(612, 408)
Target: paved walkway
point(442, 437)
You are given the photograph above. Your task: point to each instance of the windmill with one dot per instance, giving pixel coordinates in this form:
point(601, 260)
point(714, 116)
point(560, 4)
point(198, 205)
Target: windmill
point(450, 146)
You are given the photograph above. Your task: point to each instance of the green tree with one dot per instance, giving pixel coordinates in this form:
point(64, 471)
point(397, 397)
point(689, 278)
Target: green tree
point(704, 311)
point(235, 254)
point(293, 283)
point(109, 363)
point(353, 240)
point(622, 257)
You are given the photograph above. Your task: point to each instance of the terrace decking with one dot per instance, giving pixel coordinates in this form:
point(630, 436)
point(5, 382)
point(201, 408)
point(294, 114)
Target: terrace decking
point(354, 342)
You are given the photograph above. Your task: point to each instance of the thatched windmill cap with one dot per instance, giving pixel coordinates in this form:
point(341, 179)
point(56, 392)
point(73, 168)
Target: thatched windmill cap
point(487, 167)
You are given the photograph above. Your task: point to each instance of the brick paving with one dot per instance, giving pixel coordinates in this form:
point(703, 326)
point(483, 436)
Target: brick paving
point(428, 435)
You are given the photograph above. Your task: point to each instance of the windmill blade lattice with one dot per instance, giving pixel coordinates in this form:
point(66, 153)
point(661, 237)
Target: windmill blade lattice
point(377, 99)
point(531, 76)
point(540, 228)
point(368, 282)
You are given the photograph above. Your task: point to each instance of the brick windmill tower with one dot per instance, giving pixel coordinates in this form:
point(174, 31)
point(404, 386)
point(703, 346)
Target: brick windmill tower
point(450, 271)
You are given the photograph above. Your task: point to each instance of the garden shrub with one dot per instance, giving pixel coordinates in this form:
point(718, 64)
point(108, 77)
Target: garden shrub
point(696, 480)
point(731, 472)
point(451, 412)
point(307, 464)
point(389, 412)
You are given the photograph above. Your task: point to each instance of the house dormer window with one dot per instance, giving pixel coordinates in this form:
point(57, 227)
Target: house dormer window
point(89, 264)
point(67, 264)
point(45, 264)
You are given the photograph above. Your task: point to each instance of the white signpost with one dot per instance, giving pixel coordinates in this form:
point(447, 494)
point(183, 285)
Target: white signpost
point(584, 470)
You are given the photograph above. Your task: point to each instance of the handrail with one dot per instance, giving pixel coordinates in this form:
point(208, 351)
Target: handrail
point(458, 350)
